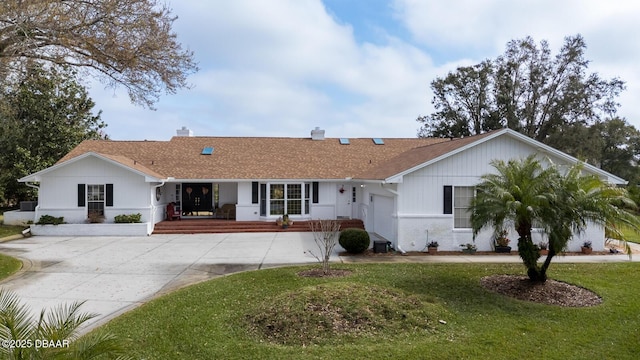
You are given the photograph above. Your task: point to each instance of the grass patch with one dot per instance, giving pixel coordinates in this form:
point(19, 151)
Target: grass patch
point(210, 320)
point(8, 266)
point(630, 235)
point(8, 230)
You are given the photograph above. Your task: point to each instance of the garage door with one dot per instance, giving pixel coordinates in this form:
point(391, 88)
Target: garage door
point(382, 216)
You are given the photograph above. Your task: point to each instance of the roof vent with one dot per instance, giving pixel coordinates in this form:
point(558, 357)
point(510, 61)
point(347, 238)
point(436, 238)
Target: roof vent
point(317, 134)
point(184, 132)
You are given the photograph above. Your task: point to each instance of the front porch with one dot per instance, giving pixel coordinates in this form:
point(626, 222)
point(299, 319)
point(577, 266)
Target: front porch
point(205, 226)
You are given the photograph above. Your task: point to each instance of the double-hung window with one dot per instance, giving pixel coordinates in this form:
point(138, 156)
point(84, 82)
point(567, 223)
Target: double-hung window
point(95, 199)
point(462, 196)
point(276, 203)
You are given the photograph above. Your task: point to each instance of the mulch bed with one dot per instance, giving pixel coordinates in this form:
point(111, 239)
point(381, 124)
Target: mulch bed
point(370, 252)
point(551, 292)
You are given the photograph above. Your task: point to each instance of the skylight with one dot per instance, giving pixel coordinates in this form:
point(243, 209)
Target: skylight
point(208, 150)
point(344, 141)
point(378, 141)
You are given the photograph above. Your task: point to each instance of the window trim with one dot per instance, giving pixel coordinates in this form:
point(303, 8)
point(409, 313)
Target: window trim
point(101, 198)
point(304, 198)
point(455, 208)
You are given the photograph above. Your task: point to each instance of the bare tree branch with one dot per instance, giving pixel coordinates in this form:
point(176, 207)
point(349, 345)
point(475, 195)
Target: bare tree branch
point(127, 42)
point(325, 234)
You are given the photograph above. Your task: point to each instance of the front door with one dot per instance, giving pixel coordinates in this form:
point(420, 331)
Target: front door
point(197, 199)
point(343, 202)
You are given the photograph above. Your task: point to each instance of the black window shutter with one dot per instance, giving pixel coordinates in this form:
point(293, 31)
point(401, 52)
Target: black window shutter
point(81, 195)
point(254, 192)
point(263, 199)
point(315, 191)
point(448, 199)
point(108, 195)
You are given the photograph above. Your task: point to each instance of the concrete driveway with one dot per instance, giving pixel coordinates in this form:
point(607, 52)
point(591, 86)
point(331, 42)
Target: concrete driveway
point(116, 274)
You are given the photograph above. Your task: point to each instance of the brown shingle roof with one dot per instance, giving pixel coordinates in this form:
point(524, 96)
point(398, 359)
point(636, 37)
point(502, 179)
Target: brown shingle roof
point(133, 165)
point(255, 157)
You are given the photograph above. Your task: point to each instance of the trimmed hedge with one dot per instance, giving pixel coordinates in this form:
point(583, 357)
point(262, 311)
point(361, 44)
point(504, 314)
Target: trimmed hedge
point(127, 219)
point(50, 220)
point(354, 240)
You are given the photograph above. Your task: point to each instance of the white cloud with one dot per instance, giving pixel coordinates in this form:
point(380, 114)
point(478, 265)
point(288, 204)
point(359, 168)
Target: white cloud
point(282, 67)
point(477, 30)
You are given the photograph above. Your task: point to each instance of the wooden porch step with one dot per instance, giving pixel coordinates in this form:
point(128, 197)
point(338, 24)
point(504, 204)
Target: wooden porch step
point(211, 226)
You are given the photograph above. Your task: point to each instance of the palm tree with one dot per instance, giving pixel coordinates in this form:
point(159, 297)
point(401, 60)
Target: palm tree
point(52, 337)
point(523, 193)
point(520, 192)
point(583, 199)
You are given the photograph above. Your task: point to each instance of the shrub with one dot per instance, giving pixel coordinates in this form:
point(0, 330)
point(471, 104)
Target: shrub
point(127, 219)
point(355, 241)
point(50, 220)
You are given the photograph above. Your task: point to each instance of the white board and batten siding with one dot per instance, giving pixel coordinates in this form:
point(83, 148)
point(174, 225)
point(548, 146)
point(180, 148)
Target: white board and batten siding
point(420, 211)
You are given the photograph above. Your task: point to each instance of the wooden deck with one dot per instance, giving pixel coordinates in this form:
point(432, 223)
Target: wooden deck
point(211, 226)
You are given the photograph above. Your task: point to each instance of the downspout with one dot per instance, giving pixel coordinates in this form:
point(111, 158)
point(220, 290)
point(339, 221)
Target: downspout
point(395, 193)
point(31, 185)
point(153, 208)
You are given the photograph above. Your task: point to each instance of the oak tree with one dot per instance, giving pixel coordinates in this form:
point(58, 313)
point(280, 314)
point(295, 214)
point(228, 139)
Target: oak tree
point(126, 43)
point(44, 114)
point(526, 89)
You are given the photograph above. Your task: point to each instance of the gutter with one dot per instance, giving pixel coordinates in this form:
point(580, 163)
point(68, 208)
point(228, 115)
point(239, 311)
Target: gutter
point(395, 193)
point(153, 207)
point(31, 185)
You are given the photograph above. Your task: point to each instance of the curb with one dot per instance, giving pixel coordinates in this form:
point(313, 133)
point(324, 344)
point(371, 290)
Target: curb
point(11, 238)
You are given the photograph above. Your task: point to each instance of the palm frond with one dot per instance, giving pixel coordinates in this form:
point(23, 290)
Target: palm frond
point(64, 321)
point(15, 319)
point(96, 344)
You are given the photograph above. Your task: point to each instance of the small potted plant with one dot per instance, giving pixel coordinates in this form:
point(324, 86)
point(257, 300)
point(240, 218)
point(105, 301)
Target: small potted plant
point(502, 242)
point(543, 247)
point(432, 247)
point(586, 247)
point(286, 222)
point(469, 248)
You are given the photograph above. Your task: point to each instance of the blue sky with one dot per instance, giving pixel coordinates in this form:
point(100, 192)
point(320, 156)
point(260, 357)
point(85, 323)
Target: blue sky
point(358, 68)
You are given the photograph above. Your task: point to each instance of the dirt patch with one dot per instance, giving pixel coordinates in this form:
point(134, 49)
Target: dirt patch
point(318, 273)
point(336, 312)
point(551, 292)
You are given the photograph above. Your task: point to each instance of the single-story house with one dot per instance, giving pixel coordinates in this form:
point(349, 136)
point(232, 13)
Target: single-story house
point(408, 191)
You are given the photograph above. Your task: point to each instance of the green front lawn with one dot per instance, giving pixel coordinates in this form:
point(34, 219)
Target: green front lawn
point(209, 320)
point(8, 230)
point(8, 265)
point(631, 235)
